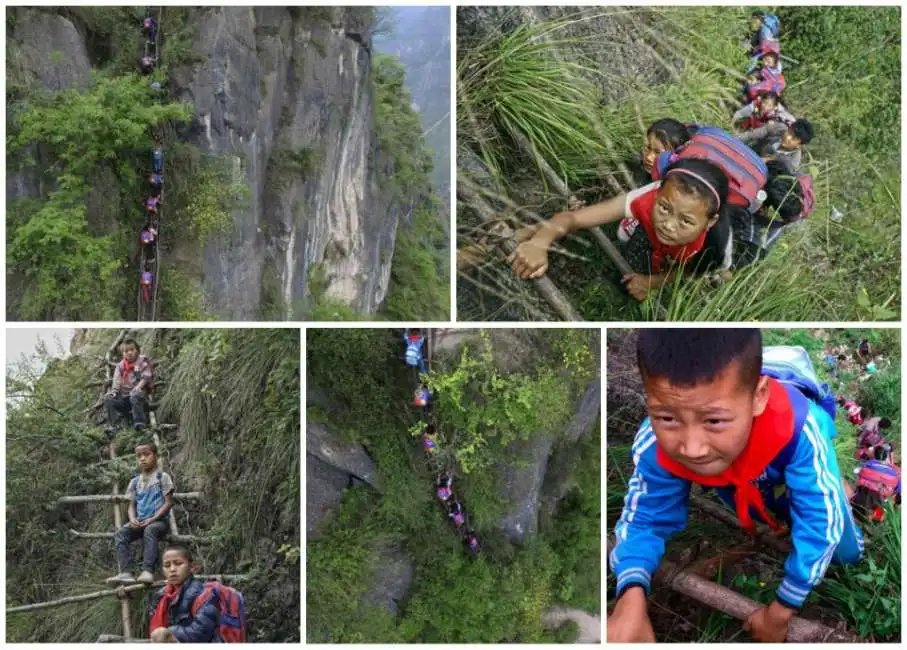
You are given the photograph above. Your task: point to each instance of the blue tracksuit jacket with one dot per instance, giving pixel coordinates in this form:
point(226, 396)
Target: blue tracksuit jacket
point(813, 502)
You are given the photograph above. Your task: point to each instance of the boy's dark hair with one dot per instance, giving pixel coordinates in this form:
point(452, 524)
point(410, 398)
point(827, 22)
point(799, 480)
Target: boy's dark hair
point(131, 341)
point(782, 191)
point(430, 429)
point(179, 548)
point(710, 172)
point(758, 14)
point(881, 453)
point(670, 132)
point(884, 423)
point(687, 357)
point(803, 130)
point(770, 94)
point(150, 445)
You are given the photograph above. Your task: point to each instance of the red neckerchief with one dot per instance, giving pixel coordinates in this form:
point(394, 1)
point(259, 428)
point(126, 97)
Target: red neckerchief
point(127, 368)
point(642, 209)
point(161, 616)
point(770, 433)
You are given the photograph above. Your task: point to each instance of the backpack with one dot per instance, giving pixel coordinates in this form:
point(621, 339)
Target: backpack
point(880, 478)
point(807, 196)
point(773, 23)
point(413, 353)
point(771, 81)
point(745, 170)
point(790, 365)
point(231, 609)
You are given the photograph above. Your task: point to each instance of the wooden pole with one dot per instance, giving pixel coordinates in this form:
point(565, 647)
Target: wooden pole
point(116, 592)
point(162, 467)
point(125, 614)
point(116, 638)
point(763, 533)
point(189, 539)
point(122, 498)
point(740, 607)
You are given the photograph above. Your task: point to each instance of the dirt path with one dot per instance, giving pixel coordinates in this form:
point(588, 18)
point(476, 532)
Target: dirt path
point(590, 627)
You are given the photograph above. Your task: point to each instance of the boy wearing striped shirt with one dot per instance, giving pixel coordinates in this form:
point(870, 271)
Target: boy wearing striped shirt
point(757, 427)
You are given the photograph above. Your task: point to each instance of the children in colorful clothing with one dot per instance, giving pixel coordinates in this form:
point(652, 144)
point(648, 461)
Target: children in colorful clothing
point(854, 410)
point(766, 108)
point(781, 143)
point(150, 500)
point(728, 415)
point(133, 379)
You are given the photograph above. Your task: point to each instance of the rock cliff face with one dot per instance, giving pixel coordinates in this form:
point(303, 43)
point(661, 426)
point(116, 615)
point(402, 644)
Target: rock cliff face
point(285, 95)
point(274, 83)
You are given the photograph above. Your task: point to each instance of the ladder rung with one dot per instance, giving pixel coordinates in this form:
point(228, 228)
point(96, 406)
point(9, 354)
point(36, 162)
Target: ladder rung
point(122, 498)
point(189, 539)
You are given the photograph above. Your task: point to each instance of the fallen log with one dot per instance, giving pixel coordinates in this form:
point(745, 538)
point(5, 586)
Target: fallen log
point(122, 498)
point(726, 600)
point(116, 592)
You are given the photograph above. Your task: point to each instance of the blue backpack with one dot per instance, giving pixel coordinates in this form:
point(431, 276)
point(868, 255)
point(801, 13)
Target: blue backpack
point(773, 23)
point(791, 366)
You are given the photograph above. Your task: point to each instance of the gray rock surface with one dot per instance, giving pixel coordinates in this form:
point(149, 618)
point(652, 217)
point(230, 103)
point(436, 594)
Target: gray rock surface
point(324, 486)
point(394, 572)
point(521, 483)
point(275, 82)
point(349, 458)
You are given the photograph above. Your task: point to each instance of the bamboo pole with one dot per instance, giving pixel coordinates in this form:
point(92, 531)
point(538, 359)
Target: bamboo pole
point(116, 592)
point(188, 539)
point(162, 467)
point(543, 285)
point(122, 498)
point(125, 614)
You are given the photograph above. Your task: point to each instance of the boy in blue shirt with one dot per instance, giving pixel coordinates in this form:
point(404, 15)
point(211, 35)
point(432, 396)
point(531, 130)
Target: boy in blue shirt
point(150, 500)
point(726, 415)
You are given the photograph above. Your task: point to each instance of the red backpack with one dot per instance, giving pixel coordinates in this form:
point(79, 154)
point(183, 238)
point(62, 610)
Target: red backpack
point(880, 478)
point(231, 609)
point(745, 170)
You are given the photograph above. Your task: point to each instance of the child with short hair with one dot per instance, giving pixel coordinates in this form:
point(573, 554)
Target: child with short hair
point(133, 379)
point(176, 613)
point(150, 501)
point(781, 143)
point(666, 134)
point(719, 417)
point(680, 223)
point(765, 109)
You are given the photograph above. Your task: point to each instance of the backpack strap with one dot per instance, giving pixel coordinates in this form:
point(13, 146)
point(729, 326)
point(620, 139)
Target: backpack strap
point(800, 405)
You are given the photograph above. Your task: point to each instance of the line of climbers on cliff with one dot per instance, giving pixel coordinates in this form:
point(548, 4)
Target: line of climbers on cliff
point(423, 399)
point(710, 202)
point(185, 609)
point(153, 202)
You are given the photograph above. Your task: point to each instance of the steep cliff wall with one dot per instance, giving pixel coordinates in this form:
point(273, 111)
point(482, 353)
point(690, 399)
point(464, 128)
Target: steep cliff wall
point(272, 84)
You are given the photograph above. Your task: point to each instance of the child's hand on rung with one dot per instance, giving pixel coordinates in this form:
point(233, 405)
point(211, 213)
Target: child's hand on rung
point(163, 635)
point(529, 260)
point(629, 622)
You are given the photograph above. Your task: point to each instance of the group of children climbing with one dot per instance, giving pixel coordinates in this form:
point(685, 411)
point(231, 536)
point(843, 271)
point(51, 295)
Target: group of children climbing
point(423, 399)
point(756, 426)
point(185, 609)
point(713, 201)
point(878, 475)
point(149, 234)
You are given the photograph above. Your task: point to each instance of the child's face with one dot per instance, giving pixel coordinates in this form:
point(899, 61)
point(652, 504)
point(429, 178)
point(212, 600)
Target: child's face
point(768, 104)
point(146, 458)
point(770, 60)
point(176, 567)
point(680, 217)
point(705, 427)
point(130, 352)
point(789, 141)
point(651, 149)
point(755, 23)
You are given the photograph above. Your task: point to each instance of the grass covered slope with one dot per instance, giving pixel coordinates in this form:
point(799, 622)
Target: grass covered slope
point(235, 396)
point(363, 389)
point(865, 597)
point(583, 85)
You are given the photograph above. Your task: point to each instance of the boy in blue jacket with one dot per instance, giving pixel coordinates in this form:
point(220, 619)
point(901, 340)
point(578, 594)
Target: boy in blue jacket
point(727, 415)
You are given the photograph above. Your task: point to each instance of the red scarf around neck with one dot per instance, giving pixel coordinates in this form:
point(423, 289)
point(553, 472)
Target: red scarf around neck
point(127, 368)
point(770, 433)
point(161, 616)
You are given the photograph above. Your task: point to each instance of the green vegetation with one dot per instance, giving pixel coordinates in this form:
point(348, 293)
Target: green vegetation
point(499, 597)
point(235, 396)
point(583, 103)
point(866, 596)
